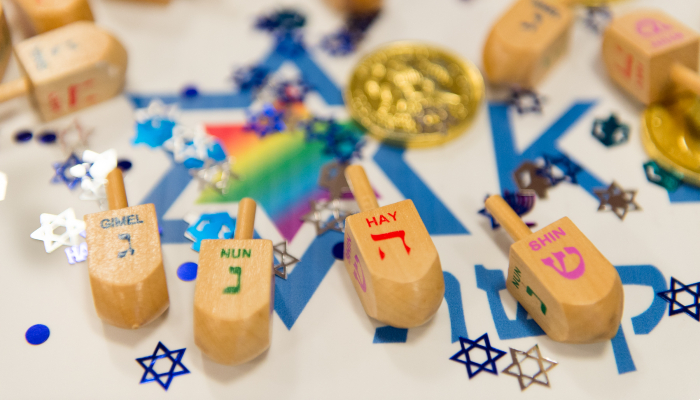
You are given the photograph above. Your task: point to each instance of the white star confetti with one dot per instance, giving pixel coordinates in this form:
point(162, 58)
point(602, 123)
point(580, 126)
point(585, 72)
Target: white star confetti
point(49, 222)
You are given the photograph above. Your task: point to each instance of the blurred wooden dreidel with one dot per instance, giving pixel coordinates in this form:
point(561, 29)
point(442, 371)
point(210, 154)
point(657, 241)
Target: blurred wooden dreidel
point(124, 260)
point(651, 55)
point(356, 7)
point(561, 279)
point(44, 15)
point(234, 293)
point(68, 69)
point(5, 43)
point(526, 42)
point(392, 262)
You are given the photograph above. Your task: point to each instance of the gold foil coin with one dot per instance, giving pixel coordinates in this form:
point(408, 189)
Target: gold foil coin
point(414, 95)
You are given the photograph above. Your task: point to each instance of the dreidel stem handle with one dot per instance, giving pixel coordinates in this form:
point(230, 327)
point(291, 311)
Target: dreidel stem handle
point(116, 196)
point(16, 88)
point(505, 216)
point(245, 222)
point(361, 189)
point(685, 78)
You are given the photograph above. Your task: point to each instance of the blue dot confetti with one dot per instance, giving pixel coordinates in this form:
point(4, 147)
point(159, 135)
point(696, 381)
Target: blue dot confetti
point(190, 91)
point(48, 137)
point(37, 334)
point(124, 165)
point(23, 136)
point(188, 271)
point(338, 251)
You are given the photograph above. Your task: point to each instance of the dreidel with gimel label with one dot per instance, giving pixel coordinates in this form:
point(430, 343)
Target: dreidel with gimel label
point(391, 259)
point(44, 15)
point(526, 42)
point(651, 55)
point(566, 285)
point(234, 293)
point(68, 69)
point(125, 263)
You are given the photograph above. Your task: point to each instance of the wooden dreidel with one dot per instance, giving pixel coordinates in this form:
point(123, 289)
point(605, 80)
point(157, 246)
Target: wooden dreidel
point(651, 55)
point(5, 43)
point(561, 279)
point(124, 260)
point(391, 259)
point(68, 69)
point(45, 15)
point(356, 7)
point(526, 42)
point(234, 293)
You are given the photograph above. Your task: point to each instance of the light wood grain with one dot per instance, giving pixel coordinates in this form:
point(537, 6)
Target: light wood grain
point(128, 288)
point(116, 195)
point(245, 220)
point(361, 188)
point(5, 43)
point(70, 68)
point(562, 280)
point(391, 259)
point(45, 15)
point(526, 42)
point(651, 55)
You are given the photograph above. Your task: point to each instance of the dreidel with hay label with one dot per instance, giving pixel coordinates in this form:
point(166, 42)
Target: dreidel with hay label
point(125, 263)
point(45, 15)
point(526, 42)
point(68, 69)
point(651, 55)
point(566, 285)
point(234, 293)
point(391, 260)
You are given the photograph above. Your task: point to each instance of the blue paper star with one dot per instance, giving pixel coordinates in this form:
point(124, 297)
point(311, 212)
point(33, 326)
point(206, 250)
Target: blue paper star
point(490, 359)
point(60, 169)
point(342, 141)
point(175, 357)
point(670, 296)
point(210, 226)
point(154, 132)
point(611, 131)
point(568, 167)
point(669, 180)
point(267, 121)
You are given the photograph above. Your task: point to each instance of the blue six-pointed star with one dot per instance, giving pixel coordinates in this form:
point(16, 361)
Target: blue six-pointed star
point(211, 226)
point(474, 344)
point(148, 363)
point(60, 169)
point(678, 287)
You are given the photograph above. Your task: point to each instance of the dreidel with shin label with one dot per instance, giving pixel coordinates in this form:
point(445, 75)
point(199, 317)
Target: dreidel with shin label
point(392, 262)
point(526, 42)
point(125, 263)
point(561, 279)
point(68, 69)
point(45, 15)
point(651, 55)
point(234, 293)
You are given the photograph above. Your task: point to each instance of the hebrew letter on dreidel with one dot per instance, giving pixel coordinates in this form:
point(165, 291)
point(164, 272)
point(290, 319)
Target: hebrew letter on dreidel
point(237, 288)
point(576, 273)
point(392, 235)
point(358, 267)
point(127, 237)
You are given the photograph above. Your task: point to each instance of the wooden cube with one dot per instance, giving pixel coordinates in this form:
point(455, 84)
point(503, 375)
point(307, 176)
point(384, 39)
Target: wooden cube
point(43, 15)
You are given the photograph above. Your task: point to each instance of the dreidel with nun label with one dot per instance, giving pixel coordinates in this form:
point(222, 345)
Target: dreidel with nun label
point(566, 285)
point(392, 262)
point(68, 69)
point(125, 263)
point(44, 15)
point(651, 55)
point(234, 293)
point(526, 42)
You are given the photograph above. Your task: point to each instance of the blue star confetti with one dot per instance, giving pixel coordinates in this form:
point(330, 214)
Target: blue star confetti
point(610, 131)
point(342, 141)
point(569, 168)
point(250, 78)
point(266, 122)
point(522, 202)
point(525, 101)
point(60, 169)
point(474, 344)
point(281, 21)
point(668, 180)
point(210, 226)
point(676, 288)
point(148, 363)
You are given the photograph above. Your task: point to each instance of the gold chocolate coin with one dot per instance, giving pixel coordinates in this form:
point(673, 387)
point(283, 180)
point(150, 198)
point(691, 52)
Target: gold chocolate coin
point(414, 95)
point(671, 136)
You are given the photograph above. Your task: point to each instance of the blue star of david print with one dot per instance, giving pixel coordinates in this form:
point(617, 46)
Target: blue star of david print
point(676, 288)
point(60, 169)
point(474, 344)
point(150, 375)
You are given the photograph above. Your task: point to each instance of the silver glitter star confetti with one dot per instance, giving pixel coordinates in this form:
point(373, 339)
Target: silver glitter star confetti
point(286, 260)
point(319, 216)
point(333, 178)
point(93, 173)
point(158, 110)
point(216, 175)
point(516, 368)
point(189, 143)
point(74, 137)
point(618, 200)
point(49, 222)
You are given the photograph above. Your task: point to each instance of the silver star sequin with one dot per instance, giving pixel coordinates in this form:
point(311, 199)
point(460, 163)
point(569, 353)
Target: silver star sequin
point(333, 178)
point(525, 380)
point(285, 259)
point(216, 175)
point(319, 216)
